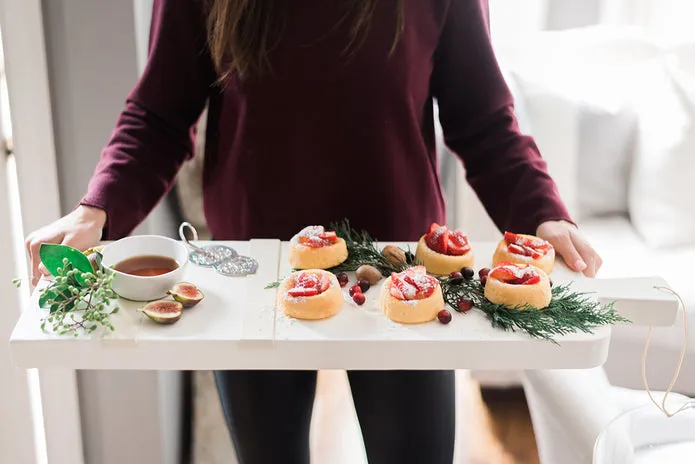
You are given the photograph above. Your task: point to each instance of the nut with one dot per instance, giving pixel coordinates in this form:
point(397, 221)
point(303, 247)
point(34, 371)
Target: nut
point(394, 254)
point(368, 273)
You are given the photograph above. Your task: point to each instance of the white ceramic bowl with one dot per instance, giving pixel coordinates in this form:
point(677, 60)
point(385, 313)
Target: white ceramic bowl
point(140, 288)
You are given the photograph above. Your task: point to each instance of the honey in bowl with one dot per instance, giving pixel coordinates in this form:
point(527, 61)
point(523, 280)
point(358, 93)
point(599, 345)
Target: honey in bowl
point(147, 265)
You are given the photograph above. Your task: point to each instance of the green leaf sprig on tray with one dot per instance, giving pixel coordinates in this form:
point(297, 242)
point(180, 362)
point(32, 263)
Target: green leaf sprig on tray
point(80, 297)
point(568, 312)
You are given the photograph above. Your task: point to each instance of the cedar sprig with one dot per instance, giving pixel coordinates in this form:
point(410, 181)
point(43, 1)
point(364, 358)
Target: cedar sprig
point(363, 249)
point(569, 311)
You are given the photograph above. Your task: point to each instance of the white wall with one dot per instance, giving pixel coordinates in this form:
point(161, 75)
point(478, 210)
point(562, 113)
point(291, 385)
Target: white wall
point(94, 58)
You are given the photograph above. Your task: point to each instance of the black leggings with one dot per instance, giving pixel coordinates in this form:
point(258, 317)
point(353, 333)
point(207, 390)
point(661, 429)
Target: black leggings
point(405, 416)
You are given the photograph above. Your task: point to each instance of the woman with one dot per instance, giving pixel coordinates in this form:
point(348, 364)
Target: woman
point(321, 110)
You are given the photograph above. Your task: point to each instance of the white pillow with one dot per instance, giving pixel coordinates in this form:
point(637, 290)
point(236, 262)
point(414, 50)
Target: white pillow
point(576, 87)
point(662, 188)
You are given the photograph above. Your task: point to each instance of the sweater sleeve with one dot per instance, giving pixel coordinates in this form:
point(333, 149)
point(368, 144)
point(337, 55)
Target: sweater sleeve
point(476, 111)
point(154, 132)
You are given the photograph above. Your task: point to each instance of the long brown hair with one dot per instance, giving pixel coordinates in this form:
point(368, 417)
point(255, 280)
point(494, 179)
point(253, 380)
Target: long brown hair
point(241, 33)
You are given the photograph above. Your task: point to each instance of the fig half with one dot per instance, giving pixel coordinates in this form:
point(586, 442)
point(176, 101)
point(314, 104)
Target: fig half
point(187, 294)
point(163, 311)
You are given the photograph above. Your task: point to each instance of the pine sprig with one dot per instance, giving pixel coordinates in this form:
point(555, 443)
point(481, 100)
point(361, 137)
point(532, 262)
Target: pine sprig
point(78, 301)
point(363, 249)
point(568, 312)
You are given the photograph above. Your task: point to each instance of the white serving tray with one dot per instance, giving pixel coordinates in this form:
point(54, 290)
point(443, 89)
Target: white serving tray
point(237, 327)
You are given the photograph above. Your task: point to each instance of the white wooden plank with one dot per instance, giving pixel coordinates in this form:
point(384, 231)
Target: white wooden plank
point(469, 341)
point(259, 310)
point(637, 299)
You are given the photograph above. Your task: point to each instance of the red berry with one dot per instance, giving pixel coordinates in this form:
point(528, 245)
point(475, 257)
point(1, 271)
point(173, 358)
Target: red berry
point(363, 284)
point(359, 298)
point(464, 304)
point(355, 289)
point(467, 273)
point(550, 281)
point(343, 279)
point(455, 278)
point(483, 280)
point(483, 272)
point(444, 316)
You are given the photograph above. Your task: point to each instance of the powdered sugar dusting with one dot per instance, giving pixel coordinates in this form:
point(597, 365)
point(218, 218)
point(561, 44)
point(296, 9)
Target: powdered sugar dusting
point(311, 231)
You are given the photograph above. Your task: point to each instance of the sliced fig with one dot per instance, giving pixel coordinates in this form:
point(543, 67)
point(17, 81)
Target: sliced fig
point(187, 294)
point(163, 311)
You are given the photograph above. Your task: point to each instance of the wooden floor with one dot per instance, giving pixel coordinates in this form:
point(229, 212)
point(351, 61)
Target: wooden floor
point(494, 425)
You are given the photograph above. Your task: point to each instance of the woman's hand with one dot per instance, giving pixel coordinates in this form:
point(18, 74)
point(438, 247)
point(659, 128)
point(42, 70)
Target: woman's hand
point(571, 245)
point(80, 229)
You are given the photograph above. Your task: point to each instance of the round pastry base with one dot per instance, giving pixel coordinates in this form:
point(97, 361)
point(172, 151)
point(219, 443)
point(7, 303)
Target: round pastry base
point(439, 264)
point(410, 311)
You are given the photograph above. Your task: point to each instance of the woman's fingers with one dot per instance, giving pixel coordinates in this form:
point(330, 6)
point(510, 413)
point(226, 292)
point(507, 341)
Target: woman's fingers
point(591, 258)
point(565, 247)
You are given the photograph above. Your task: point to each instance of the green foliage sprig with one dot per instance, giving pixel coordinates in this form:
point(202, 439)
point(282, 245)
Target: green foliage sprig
point(568, 312)
point(80, 297)
point(363, 249)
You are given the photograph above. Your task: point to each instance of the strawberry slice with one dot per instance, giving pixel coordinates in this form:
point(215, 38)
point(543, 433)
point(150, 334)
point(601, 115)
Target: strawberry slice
point(307, 280)
point(458, 244)
point(516, 249)
point(532, 279)
point(503, 273)
point(301, 291)
point(434, 226)
point(329, 236)
point(511, 238)
point(532, 253)
point(325, 284)
point(459, 238)
point(408, 291)
point(396, 293)
point(438, 240)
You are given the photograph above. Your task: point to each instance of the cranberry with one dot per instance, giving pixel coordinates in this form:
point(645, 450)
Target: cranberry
point(455, 278)
point(444, 316)
point(363, 284)
point(359, 298)
point(483, 272)
point(355, 289)
point(483, 280)
point(467, 273)
point(464, 304)
point(343, 279)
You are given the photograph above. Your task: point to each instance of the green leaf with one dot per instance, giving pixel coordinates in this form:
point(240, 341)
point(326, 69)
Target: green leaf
point(52, 256)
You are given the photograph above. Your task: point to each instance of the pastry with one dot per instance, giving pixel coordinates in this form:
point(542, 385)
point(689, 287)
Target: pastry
point(311, 294)
point(411, 296)
point(518, 285)
point(525, 249)
point(316, 248)
point(443, 251)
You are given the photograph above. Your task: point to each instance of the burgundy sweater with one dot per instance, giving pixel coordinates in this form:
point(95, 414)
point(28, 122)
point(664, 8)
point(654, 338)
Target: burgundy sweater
point(325, 135)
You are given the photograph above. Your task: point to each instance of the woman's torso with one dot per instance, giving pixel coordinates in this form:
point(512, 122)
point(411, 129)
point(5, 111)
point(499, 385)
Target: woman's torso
point(327, 135)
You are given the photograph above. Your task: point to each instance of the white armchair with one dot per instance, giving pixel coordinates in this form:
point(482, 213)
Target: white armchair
point(570, 408)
